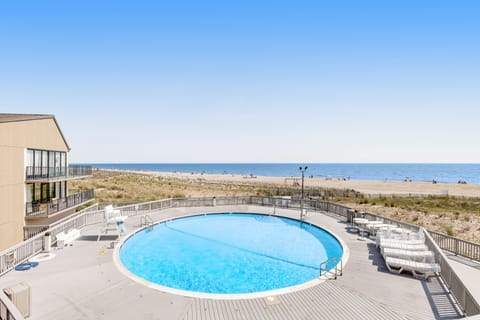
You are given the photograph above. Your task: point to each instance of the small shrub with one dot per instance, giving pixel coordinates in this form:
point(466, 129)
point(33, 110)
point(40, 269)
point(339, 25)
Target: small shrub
point(178, 195)
point(83, 206)
point(449, 230)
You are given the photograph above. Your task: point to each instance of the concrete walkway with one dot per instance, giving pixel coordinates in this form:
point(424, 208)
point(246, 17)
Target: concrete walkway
point(82, 282)
point(469, 271)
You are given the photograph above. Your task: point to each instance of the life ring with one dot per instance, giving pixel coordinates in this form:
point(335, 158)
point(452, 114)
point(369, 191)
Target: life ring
point(26, 266)
point(23, 266)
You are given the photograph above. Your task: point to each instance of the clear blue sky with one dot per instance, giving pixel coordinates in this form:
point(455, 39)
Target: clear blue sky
point(248, 81)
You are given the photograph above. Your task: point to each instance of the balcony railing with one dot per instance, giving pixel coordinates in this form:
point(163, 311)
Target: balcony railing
point(37, 209)
point(48, 173)
point(79, 171)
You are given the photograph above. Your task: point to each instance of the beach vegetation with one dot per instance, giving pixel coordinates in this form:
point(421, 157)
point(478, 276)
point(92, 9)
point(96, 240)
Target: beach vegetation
point(83, 206)
point(449, 230)
point(432, 212)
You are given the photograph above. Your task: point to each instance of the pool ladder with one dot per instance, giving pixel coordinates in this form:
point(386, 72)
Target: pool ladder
point(332, 266)
point(146, 220)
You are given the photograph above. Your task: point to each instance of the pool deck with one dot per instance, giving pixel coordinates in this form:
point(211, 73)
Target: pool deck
point(82, 282)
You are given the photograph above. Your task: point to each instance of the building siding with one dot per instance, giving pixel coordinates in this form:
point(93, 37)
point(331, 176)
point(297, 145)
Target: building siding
point(15, 138)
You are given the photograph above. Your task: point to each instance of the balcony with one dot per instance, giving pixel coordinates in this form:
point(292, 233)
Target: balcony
point(49, 174)
point(47, 209)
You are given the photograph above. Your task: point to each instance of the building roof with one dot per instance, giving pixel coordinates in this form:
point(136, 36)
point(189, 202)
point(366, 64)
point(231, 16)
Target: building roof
point(15, 117)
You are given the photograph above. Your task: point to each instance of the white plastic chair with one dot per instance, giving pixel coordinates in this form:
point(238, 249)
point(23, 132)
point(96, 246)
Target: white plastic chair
point(112, 217)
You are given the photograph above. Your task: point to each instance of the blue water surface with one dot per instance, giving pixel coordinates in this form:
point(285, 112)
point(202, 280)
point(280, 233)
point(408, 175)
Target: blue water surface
point(441, 172)
point(229, 253)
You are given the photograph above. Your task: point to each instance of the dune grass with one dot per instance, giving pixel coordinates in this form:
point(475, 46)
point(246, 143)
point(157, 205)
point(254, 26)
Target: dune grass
point(125, 187)
point(458, 217)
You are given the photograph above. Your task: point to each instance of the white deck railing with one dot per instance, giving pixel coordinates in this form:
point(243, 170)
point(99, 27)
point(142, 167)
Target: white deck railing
point(8, 311)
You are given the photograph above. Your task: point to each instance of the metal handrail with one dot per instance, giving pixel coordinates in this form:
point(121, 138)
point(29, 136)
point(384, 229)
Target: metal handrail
point(37, 209)
point(11, 310)
point(41, 173)
point(463, 296)
point(146, 220)
point(457, 246)
point(326, 267)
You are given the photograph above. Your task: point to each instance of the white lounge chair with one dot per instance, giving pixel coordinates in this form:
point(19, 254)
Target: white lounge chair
point(420, 256)
point(404, 246)
point(382, 241)
point(418, 269)
point(112, 217)
point(66, 237)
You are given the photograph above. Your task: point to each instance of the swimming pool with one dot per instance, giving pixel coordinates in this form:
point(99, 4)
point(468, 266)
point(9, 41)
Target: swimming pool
point(234, 253)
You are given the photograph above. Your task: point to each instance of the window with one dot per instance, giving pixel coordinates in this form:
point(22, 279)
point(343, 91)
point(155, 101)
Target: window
point(36, 193)
point(29, 188)
point(37, 164)
point(51, 164)
point(63, 163)
point(30, 162)
point(46, 164)
point(58, 163)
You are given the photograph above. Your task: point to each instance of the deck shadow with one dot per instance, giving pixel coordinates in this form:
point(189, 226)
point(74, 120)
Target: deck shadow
point(376, 258)
point(442, 303)
point(103, 237)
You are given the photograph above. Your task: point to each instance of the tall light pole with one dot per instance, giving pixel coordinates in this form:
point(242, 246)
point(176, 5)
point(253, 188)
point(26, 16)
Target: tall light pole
point(302, 170)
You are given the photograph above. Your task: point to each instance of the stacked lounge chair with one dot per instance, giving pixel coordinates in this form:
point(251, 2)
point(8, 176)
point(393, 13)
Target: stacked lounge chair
point(418, 269)
point(420, 256)
point(408, 255)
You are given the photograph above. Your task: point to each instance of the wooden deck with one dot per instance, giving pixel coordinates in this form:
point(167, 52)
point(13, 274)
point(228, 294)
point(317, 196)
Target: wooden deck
point(82, 282)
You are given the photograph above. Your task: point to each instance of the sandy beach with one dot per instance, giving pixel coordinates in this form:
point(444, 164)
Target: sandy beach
point(371, 188)
point(454, 215)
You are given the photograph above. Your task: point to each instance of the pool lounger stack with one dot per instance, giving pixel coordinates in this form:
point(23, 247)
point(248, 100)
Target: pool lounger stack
point(419, 256)
point(386, 242)
point(408, 255)
point(418, 269)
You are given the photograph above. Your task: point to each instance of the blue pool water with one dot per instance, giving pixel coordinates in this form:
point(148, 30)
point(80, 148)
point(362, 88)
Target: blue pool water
point(229, 253)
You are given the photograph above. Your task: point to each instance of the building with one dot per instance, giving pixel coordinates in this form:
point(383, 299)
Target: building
point(34, 172)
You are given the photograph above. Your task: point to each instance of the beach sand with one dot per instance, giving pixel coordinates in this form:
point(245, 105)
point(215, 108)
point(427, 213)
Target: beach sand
point(371, 188)
point(120, 185)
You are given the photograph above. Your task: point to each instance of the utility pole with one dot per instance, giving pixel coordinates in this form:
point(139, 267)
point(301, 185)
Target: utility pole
point(302, 170)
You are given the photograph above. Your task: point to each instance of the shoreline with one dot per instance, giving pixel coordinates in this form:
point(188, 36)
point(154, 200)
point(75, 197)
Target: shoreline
point(369, 188)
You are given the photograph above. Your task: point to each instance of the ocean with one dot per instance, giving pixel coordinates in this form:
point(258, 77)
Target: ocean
point(447, 172)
